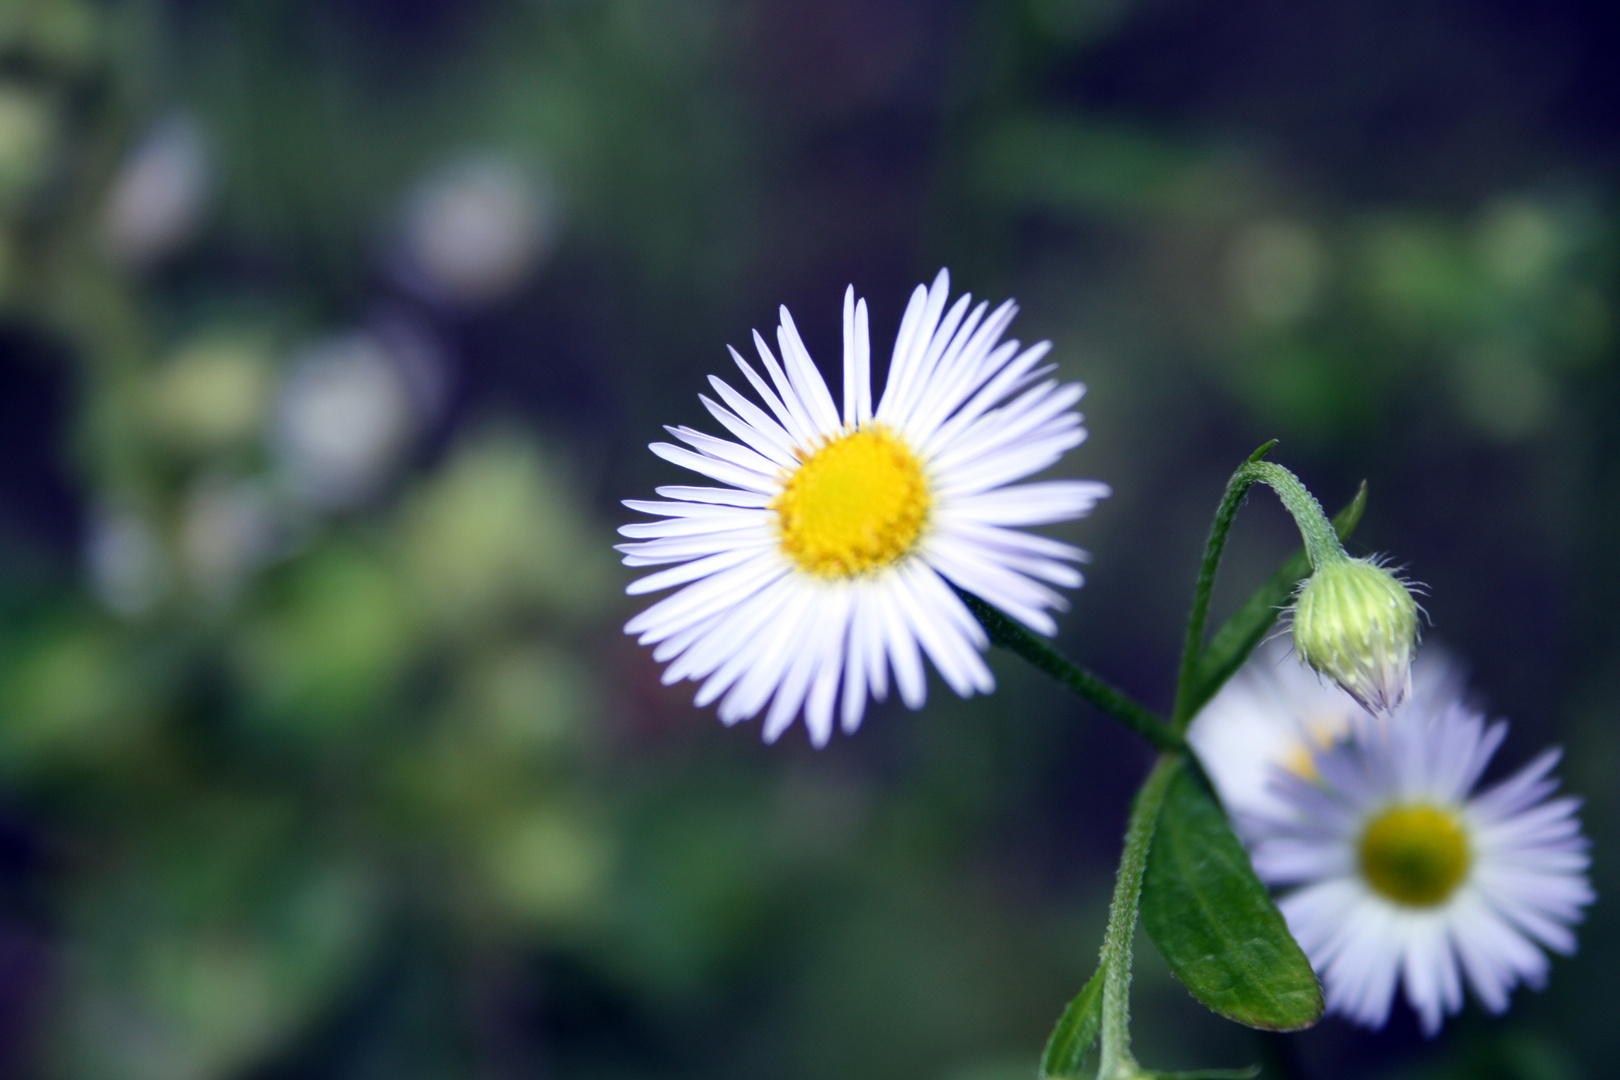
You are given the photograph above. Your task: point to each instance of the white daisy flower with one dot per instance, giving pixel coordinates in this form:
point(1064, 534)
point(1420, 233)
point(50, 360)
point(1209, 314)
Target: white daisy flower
point(1400, 873)
point(827, 559)
point(1276, 713)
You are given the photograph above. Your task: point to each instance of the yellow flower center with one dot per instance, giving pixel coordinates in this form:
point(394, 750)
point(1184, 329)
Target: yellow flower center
point(855, 505)
point(1415, 855)
point(1300, 759)
point(1320, 732)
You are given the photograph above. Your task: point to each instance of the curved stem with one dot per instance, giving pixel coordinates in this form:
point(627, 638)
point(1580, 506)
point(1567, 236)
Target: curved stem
point(1116, 1062)
point(1322, 546)
point(1192, 644)
point(1321, 542)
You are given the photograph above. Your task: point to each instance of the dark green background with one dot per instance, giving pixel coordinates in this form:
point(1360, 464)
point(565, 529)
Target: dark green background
point(408, 805)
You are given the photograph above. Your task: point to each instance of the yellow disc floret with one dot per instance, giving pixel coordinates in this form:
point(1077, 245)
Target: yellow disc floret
point(855, 505)
point(1415, 855)
point(1319, 735)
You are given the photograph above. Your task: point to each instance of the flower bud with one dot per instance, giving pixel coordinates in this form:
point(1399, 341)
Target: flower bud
point(1356, 623)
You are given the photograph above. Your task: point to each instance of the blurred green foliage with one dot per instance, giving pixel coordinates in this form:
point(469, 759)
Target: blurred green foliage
point(325, 752)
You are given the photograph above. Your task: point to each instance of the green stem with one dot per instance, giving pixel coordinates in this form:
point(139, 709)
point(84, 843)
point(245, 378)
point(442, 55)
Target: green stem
point(1321, 542)
point(1116, 1062)
point(1015, 637)
point(1322, 546)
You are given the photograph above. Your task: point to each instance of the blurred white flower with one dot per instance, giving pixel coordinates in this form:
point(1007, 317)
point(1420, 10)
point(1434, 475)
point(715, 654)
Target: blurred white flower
point(472, 232)
point(346, 415)
point(1276, 713)
point(228, 530)
point(125, 559)
point(158, 197)
point(1402, 873)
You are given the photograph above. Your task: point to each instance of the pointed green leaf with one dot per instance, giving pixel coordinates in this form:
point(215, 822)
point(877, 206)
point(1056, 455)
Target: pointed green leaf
point(1215, 923)
point(1076, 1030)
point(1238, 636)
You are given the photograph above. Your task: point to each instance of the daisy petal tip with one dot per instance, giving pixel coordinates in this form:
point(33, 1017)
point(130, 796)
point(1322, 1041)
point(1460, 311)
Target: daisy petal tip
point(1042, 623)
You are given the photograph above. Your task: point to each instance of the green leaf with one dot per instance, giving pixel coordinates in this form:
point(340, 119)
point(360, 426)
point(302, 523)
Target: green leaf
point(1215, 923)
point(1076, 1030)
point(1238, 636)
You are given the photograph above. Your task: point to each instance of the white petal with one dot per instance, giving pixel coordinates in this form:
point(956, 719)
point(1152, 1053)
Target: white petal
point(916, 332)
point(723, 471)
point(1017, 374)
point(926, 602)
point(1033, 504)
point(717, 496)
point(752, 415)
point(962, 375)
point(997, 586)
point(763, 441)
point(696, 525)
point(803, 418)
point(726, 450)
point(672, 508)
point(790, 421)
point(926, 368)
point(806, 377)
point(900, 646)
point(701, 599)
point(863, 365)
point(697, 568)
point(680, 548)
point(851, 387)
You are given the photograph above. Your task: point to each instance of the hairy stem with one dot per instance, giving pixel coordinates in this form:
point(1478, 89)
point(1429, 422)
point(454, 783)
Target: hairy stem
point(1116, 1062)
point(1015, 637)
point(1321, 542)
point(1322, 546)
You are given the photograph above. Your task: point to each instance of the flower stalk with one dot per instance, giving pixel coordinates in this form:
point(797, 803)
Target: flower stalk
point(1116, 1061)
point(1013, 636)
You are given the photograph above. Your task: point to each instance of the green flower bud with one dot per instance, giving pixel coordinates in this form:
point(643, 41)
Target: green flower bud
point(1356, 623)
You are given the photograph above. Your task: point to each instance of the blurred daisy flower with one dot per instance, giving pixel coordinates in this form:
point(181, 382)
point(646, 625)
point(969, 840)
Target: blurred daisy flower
point(160, 194)
point(350, 409)
point(1401, 872)
point(1276, 713)
point(474, 230)
point(826, 560)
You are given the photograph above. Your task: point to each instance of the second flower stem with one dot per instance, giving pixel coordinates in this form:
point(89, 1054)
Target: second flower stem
point(1115, 1061)
point(1322, 545)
